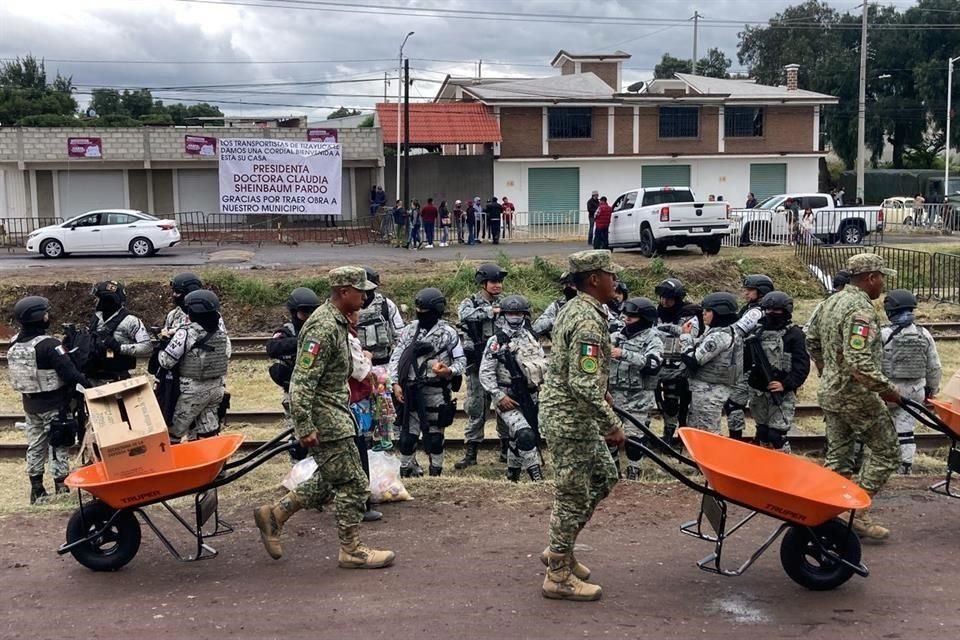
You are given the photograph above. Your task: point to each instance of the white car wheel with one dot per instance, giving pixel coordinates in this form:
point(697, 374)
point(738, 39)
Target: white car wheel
point(141, 247)
point(51, 249)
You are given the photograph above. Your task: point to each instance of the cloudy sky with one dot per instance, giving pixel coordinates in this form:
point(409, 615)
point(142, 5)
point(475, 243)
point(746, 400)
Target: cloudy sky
point(307, 56)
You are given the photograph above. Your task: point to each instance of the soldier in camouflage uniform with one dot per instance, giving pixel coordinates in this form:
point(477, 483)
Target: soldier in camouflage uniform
point(44, 374)
point(479, 317)
point(512, 373)
point(543, 325)
point(200, 351)
point(755, 286)
point(673, 392)
point(380, 322)
point(121, 335)
point(844, 341)
point(427, 359)
point(578, 422)
point(714, 361)
point(911, 361)
point(636, 358)
point(319, 401)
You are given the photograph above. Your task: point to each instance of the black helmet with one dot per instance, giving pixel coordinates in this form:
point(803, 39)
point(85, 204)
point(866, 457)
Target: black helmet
point(671, 288)
point(201, 301)
point(110, 289)
point(841, 279)
point(621, 288)
point(721, 303)
point(184, 283)
point(515, 304)
point(30, 309)
point(899, 300)
point(777, 300)
point(372, 276)
point(763, 284)
point(431, 299)
point(641, 308)
point(565, 279)
point(301, 299)
point(489, 271)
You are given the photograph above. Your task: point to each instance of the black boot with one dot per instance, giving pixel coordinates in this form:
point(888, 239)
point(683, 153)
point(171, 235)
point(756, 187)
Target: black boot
point(371, 514)
point(435, 471)
point(736, 435)
point(413, 471)
point(535, 473)
point(469, 458)
point(513, 474)
point(633, 473)
point(59, 486)
point(38, 495)
point(504, 446)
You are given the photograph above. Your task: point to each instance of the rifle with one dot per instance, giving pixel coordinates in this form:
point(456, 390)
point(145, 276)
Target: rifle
point(474, 350)
point(411, 388)
point(759, 359)
point(519, 389)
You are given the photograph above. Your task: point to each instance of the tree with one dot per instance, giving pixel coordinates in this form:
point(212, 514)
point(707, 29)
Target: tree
point(24, 92)
point(106, 102)
point(714, 65)
point(668, 66)
point(367, 122)
point(343, 112)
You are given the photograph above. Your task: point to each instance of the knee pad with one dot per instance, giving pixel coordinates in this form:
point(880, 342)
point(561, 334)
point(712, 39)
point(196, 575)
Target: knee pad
point(526, 440)
point(776, 438)
point(634, 452)
point(408, 444)
point(730, 406)
point(434, 443)
point(763, 433)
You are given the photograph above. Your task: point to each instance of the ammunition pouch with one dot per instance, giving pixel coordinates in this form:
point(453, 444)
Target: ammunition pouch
point(280, 373)
point(63, 431)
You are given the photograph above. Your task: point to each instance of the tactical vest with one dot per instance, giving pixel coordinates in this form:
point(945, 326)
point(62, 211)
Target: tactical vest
point(202, 363)
point(530, 358)
point(626, 375)
point(119, 362)
point(778, 357)
point(25, 377)
point(374, 328)
point(727, 367)
point(905, 354)
point(487, 327)
point(290, 359)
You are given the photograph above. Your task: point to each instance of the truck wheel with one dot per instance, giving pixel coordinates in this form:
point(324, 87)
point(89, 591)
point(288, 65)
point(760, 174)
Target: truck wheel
point(648, 245)
point(851, 233)
point(711, 247)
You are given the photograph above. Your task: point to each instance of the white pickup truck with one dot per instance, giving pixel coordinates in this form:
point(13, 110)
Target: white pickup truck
point(771, 220)
point(654, 219)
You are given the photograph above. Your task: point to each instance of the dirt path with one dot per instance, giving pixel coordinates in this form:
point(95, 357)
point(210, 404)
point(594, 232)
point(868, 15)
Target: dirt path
point(467, 568)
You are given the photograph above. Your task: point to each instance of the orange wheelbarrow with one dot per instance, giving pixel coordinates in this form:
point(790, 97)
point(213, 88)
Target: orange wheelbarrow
point(819, 550)
point(945, 419)
point(104, 533)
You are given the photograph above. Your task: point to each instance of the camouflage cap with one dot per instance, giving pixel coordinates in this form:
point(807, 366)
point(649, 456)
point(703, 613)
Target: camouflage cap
point(592, 260)
point(355, 277)
point(868, 263)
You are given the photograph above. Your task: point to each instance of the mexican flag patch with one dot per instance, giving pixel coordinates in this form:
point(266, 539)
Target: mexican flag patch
point(589, 354)
point(309, 353)
point(587, 349)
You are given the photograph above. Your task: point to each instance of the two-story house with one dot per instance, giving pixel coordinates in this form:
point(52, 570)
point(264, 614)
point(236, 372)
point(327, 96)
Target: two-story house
point(567, 135)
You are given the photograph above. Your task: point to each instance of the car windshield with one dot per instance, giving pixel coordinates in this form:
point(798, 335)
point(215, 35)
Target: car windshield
point(145, 216)
point(770, 203)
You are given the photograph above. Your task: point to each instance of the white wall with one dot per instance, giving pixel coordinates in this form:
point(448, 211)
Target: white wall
point(729, 177)
point(13, 194)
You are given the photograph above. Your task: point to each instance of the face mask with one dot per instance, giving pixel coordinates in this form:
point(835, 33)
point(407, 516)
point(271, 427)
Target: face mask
point(633, 328)
point(569, 293)
point(514, 322)
point(107, 306)
point(427, 319)
point(774, 322)
point(614, 306)
point(369, 298)
point(178, 300)
point(902, 318)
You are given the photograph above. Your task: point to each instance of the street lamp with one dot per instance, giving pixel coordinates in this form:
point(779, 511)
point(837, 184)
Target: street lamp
point(399, 100)
point(946, 151)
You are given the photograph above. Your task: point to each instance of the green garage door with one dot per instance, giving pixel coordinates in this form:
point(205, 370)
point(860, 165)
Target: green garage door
point(665, 175)
point(768, 180)
point(553, 195)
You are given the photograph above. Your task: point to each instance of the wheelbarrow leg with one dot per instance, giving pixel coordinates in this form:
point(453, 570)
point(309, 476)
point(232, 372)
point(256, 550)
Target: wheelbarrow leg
point(944, 487)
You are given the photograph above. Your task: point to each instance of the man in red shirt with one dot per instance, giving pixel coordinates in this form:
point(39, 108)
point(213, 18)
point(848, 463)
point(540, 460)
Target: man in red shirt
point(429, 215)
point(601, 224)
point(508, 210)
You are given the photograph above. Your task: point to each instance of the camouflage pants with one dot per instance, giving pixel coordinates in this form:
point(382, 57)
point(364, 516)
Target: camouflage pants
point(776, 416)
point(476, 407)
point(638, 403)
point(868, 421)
point(583, 474)
point(196, 410)
point(339, 474)
point(516, 423)
point(903, 421)
point(706, 404)
point(740, 396)
point(39, 449)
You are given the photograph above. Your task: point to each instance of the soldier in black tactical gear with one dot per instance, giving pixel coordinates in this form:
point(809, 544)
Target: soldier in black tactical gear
point(120, 337)
point(673, 390)
point(543, 325)
point(45, 376)
point(180, 285)
point(755, 286)
point(380, 322)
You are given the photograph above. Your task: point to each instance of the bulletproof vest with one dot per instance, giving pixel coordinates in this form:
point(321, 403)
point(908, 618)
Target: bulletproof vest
point(487, 327)
point(626, 375)
point(25, 377)
point(672, 352)
point(200, 362)
point(529, 356)
point(291, 333)
point(905, 354)
point(777, 356)
point(118, 362)
point(727, 367)
point(443, 338)
point(374, 328)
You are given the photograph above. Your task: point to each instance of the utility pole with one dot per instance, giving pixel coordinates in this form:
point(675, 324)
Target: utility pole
point(406, 132)
point(399, 97)
point(946, 146)
point(480, 68)
point(862, 105)
point(696, 29)
point(386, 83)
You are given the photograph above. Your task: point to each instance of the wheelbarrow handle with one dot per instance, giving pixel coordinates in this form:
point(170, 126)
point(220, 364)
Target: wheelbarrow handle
point(924, 415)
point(259, 450)
point(660, 446)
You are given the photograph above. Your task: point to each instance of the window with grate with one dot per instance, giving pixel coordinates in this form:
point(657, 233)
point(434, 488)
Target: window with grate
point(743, 122)
point(570, 122)
point(679, 122)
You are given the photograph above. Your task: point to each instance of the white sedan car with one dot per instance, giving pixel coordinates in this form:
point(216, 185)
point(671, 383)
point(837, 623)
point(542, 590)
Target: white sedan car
point(105, 231)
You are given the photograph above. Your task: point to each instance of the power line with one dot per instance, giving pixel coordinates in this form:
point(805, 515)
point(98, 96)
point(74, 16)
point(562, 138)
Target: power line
point(202, 62)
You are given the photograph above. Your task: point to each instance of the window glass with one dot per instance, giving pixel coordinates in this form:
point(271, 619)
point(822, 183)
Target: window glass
point(743, 122)
point(570, 122)
point(679, 122)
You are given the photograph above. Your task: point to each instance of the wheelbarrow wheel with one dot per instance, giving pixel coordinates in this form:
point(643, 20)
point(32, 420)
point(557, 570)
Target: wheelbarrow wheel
point(805, 562)
point(112, 549)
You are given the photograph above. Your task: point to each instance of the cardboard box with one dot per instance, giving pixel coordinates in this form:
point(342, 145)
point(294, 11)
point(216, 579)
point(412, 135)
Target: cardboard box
point(951, 390)
point(129, 429)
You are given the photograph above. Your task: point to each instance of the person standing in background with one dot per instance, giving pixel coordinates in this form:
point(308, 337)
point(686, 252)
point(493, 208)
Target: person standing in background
point(751, 201)
point(428, 215)
point(601, 219)
point(508, 211)
point(460, 220)
point(592, 205)
point(493, 213)
point(444, 224)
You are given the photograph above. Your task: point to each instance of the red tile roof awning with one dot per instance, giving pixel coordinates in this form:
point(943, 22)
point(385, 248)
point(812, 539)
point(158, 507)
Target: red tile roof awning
point(441, 123)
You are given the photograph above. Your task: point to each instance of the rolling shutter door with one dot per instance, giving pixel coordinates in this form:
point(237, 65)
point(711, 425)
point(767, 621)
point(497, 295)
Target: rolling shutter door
point(199, 190)
point(553, 195)
point(83, 190)
point(768, 179)
point(665, 175)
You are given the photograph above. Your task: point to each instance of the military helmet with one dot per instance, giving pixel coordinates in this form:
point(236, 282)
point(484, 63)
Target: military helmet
point(565, 278)
point(372, 275)
point(515, 304)
point(641, 308)
point(762, 283)
point(621, 287)
point(184, 283)
point(841, 279)
point(302, 299)
point(31, 309)
point(201, 301)
point(721, 303)
point(777, 300)
point(110, 289)
point(489, 271)
point(671, 288)
point(899, 300)
point(431, 299)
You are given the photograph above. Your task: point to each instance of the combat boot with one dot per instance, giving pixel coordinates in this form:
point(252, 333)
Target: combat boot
point(513, 474)
point(469, 457)
point(560, 583)
point(633, 472)
point(414, 470)
point(356, 555)
point(906, 469)
point(371, 514)
point(38, 495)
point(435, 471)
point(535, 473)
point(59, 486)
point(868, 528)
point(579, 570)
point(504, 447)
point(270, 519)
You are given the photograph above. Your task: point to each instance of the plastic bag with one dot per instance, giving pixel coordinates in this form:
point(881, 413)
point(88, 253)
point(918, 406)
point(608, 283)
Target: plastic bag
point(300, 473)
point(385, 485)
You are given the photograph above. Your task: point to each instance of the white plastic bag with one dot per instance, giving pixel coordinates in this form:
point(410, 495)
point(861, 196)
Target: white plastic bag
point(299, 473)
point(385, 485)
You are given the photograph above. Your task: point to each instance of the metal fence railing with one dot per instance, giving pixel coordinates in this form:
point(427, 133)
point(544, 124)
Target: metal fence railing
point(223, 228)
point(784, 227)
point(929, 218)
point(14, 231)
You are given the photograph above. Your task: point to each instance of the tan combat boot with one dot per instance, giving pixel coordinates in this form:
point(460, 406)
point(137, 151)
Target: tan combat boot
point(356, 555)
point(270, 519)
point(867, 528)
point(559, 583)
point(578, 569)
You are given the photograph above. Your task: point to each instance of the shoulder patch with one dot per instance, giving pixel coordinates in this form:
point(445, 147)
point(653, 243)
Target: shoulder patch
point(857, 342)
point(860, 329)
point(308, 354)
point(589, 364)
point(60, 350)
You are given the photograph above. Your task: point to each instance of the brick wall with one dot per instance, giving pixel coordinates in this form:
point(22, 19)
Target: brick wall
point(787, 129)
point(623, 131)
point(607, 71)
point(522, 131)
